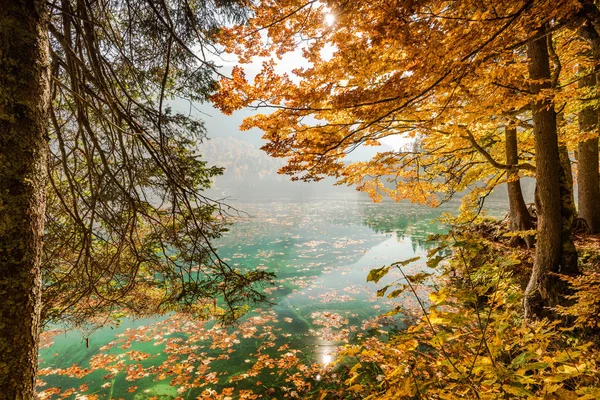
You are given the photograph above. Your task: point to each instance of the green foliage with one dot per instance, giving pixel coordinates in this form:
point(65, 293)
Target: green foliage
point(128, 225)
point(376, 274)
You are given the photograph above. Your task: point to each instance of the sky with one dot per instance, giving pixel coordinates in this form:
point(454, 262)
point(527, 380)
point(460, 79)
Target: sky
point(223, 126)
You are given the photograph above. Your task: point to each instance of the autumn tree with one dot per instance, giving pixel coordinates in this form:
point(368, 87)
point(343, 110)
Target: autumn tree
point(588, 178)
point(452, 75)
point(550, 250)
point(101, 202)
point(520, 218)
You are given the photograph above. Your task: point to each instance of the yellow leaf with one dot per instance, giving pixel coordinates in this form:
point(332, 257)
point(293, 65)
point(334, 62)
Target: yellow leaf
point(356, 388)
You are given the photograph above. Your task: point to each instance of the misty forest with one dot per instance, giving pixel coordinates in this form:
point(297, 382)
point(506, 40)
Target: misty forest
point(299, 199)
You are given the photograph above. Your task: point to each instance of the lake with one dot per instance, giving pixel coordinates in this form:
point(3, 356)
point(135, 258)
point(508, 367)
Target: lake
point(321, 252)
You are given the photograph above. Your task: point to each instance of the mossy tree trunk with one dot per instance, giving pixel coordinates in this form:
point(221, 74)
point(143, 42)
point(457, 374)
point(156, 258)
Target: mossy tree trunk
point(520, 219)
point(545, 290)
point(588, 177)
point(24, 101)
point(568, 212)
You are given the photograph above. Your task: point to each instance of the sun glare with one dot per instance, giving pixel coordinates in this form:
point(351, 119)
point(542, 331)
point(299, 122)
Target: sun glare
point(330, 19)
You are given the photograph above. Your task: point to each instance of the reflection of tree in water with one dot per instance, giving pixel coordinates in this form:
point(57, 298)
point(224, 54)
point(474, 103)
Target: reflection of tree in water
point(405, 220)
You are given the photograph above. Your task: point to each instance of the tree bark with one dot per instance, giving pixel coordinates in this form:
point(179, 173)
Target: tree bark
point(24, 101)
point(588, 177)
point(545, 290)
point(520, 219)
point(567, 211)
point(588, 184)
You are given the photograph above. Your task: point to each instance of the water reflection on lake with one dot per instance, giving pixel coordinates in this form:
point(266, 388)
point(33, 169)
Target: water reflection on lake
point(321, 252)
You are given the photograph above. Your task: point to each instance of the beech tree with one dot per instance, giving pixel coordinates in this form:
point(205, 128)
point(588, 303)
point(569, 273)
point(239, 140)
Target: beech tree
point(453, 75)
point(550, 249)
point(101, 203)
point(363, 94)
point(520, 219)
point(588, 178)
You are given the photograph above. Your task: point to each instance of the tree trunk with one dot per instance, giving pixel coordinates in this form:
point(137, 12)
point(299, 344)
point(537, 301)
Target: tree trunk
point(545, 290)
point(24, 101)
point(588, 184)
point(568, 212)
point(520, 219)
point(588, 178)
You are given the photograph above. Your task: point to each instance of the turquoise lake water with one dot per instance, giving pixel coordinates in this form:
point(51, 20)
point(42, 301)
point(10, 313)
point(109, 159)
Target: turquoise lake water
point(321, 252)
